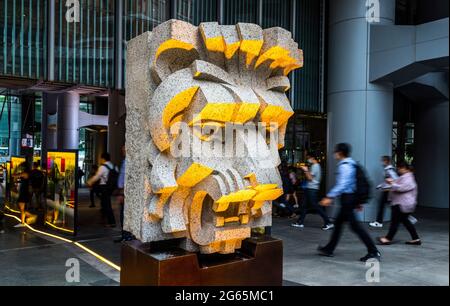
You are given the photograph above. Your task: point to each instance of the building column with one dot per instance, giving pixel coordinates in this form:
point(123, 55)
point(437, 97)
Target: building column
point(27, 124)
point(116, 125)
point(431, 153)
point(15, 128)
point(67, 127)
point(49, 137)
point(360, 112)
point(100, 137)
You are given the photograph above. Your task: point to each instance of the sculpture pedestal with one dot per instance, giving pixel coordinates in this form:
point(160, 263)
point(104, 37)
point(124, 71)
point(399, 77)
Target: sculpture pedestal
point(258, 263)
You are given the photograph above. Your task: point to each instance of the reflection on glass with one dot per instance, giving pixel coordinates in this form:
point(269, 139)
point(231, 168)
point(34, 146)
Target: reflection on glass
point(61, 191)
point(14, 183)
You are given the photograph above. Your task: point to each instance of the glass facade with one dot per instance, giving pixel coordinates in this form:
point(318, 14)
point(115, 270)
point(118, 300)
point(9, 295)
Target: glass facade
point(240, 11)
point(276, 14)
point(140, 16)
point(23, 38)
point(84, 51)
point(11, 125)
point(307, 80)
point(197, 11)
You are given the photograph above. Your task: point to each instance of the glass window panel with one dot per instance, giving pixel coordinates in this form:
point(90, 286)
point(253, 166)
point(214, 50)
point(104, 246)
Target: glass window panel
point(84, 50)
point(140, 16)
point(197, 11)
point(276, 14)
point(240, 11)
point(307, 79)
point(23, 45)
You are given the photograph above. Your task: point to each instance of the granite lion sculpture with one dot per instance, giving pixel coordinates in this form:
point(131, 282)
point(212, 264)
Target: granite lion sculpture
point(205, 77)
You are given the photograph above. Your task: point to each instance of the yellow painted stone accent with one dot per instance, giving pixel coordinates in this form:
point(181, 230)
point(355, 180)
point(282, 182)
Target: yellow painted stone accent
point(215, 44)
point(194, 175)
point(273, 54)
point(275, 113)
point(265, 187)
point(173, 44)
point(231, 49)
point(252, 48)
point(246, 112)
point(220, 112)
point(178, 103)
point(232, 220)
point(244, 219)
point(268, 195)
point(240, 196)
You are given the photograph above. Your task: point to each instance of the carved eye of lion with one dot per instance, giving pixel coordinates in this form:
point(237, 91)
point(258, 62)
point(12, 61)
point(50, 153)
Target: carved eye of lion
point(207, 77)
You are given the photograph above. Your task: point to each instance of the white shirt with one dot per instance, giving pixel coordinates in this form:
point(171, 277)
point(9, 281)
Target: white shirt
point(389, 173)
point(101, 175)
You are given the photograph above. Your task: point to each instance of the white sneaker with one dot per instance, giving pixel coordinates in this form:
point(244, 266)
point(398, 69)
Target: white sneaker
point(328, 227)
point(412, 220)
point(297, 225)
point(20, 225)
point(376, 225)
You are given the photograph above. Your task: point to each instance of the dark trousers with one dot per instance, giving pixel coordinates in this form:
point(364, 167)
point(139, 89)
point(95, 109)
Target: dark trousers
point(107, 210)
point(312, 201)
point(381, 205)
point(94, 192)
point(37, 194)
point(400, 217)
point(347, 214)
point(2, 216)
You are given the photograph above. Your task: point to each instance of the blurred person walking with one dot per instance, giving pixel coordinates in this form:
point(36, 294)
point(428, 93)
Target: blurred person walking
point(403, 196)
point(37, 181)
point(94, 188)
point(24, 195)
point(125, 236)
point(347, 189)
point(106, 176)
point(389, 173)
point(314, 177)
point(288, 193)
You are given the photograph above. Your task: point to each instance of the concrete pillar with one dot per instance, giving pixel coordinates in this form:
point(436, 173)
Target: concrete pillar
point(49, 137)
point(68, 113)
point(27, 124)
point(15, 126)
point(101, 137)
point(360, 112)
point(431, 158)
point(116, 125)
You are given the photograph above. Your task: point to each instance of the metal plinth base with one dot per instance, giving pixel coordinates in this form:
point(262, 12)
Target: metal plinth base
point(258, 263)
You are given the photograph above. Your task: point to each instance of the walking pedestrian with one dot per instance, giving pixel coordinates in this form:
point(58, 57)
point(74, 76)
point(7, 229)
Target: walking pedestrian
point(389, 173)
point(314, 176)
point(346, 189)
point(23, 201)
point(94, 188)
point(37, 185)
point(102, 176)
point(403, 196)
point(125, 236)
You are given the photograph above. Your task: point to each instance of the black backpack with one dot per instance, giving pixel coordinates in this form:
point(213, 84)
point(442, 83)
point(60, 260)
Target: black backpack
point(113, 178)
point(363, 185)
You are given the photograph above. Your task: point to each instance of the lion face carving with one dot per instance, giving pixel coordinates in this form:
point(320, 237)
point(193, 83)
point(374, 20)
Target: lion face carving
point(205, 77)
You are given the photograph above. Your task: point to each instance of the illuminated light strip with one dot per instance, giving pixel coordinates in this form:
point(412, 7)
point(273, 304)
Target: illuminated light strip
point(96, 255)
point(59, 228)
point(12, 210)
point(99, 257)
